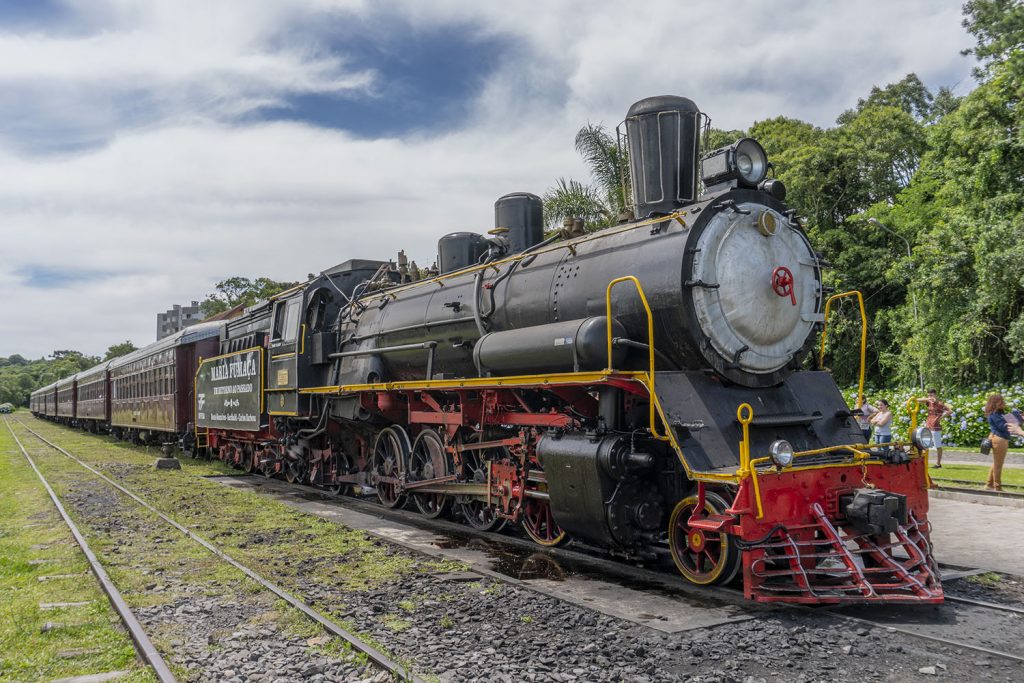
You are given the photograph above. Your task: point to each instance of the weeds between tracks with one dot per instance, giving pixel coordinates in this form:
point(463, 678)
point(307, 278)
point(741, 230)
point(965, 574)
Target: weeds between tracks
point(37, 644)
point(299, 552)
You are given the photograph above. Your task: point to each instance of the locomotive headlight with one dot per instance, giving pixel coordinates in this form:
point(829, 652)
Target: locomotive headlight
point(922, 438)
point(744, 160)
point(751, 161)
point(781, 452)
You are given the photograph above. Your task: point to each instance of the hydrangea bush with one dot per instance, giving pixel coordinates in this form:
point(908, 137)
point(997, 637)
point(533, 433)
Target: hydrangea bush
point(965, 428)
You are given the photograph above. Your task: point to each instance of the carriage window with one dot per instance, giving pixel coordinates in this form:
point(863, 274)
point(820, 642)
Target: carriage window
point(286, 320)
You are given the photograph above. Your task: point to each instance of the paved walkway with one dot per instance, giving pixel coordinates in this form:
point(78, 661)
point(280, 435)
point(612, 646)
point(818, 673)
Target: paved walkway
point(975, 535)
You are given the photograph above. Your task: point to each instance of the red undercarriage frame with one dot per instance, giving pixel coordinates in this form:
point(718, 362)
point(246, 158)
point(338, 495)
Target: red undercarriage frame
point(804, 550)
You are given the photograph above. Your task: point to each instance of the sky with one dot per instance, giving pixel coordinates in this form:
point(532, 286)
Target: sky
point(151, 148)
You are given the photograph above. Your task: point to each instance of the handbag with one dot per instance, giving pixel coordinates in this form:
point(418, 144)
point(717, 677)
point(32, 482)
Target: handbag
point(986, 446)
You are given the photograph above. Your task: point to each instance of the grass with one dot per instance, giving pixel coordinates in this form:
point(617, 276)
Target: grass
point(988, 579)
point(977, 474)
point(251, 528)
point(396, 623)
point(86, 639)
point(288, 546)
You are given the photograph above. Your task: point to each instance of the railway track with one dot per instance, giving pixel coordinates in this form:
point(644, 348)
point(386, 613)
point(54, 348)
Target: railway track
point(943, 634)
point(145, 646)
point(573, 558)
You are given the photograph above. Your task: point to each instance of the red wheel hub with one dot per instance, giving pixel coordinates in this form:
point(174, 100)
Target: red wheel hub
point(696, 540)
point(782, 283)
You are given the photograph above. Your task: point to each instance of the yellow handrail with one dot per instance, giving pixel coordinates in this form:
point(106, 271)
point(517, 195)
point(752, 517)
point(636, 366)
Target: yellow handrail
point(863, 338)
point(745, 415)
point(913, 410)
point(650, 341)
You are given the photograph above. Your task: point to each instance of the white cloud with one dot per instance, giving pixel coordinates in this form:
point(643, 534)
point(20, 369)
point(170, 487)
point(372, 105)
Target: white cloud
point(175, 196)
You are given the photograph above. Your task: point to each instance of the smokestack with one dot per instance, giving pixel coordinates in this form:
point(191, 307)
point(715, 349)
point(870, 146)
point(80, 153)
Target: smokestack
point(664, 138)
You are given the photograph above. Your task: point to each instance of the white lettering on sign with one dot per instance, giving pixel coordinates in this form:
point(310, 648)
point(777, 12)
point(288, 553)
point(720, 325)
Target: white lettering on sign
point(238, 367)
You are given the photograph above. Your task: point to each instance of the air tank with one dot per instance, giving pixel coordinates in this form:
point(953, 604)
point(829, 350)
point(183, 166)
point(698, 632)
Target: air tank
point(459, 250)
point(522, 214)
point(557, 347)
point(664, 137)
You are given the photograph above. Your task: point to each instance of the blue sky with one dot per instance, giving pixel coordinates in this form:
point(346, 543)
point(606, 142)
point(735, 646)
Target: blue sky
point(149, 149)
point(426, 78)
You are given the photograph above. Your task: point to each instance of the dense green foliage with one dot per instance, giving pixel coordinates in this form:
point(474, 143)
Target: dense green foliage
point(118, 350)
point(241, 291)
point(20, 377)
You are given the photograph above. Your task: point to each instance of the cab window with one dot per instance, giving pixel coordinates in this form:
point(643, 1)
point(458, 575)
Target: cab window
point(286, 320)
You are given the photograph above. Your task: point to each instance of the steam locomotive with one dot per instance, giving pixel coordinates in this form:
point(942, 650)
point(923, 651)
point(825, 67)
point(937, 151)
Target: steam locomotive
point(638, 390)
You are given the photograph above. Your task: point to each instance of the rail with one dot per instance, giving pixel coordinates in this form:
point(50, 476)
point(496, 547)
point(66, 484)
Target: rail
point(652, 415)
point(863, 337)
point(373, 654)
point(143, 644)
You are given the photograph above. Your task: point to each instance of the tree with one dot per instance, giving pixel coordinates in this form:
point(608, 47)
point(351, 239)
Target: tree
point(717, 137)
point(600, 202)
point(572, 199)
point(836, 177)
point(909, 94)
point(118, 350)
point(998, 28)
point(609, 166)
point(236, 291)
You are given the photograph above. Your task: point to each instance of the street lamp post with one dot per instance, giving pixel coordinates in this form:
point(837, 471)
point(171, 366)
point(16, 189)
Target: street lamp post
point(913, 295)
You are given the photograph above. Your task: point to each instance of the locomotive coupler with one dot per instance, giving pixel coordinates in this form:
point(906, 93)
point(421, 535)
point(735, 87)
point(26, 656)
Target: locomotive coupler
point(873, 511)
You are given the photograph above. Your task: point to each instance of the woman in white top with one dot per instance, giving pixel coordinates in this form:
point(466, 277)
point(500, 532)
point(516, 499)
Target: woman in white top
point(882, 422)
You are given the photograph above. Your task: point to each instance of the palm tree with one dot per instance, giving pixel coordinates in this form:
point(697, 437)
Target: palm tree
point(600, 202)
point(572, 199)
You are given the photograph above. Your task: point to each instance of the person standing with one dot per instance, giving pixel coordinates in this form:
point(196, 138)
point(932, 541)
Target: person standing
point(995, 411)
point(864, 420)
point(882, 422)
point(937, 411)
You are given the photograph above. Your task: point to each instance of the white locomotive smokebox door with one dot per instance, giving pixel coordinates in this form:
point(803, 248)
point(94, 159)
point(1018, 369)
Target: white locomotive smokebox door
point(745, 310)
